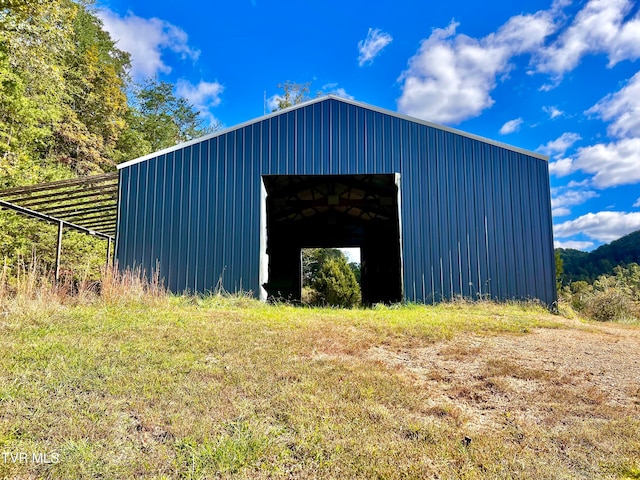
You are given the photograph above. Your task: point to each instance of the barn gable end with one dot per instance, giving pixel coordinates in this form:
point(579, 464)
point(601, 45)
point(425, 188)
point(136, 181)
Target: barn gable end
point(471, 217)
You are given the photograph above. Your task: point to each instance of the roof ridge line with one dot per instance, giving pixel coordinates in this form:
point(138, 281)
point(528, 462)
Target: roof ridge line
point(323, 98)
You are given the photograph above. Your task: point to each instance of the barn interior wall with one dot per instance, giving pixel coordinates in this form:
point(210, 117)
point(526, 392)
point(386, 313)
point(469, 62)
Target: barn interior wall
point(304, 211)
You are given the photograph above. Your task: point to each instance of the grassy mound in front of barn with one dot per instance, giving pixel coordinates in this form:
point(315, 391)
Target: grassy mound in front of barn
point(141, 384)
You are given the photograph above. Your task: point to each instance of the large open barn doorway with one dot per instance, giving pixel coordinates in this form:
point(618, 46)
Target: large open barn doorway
point(302, 211)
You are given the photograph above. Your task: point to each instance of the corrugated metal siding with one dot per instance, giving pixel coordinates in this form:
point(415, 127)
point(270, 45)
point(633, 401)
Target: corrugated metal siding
point(476, 218)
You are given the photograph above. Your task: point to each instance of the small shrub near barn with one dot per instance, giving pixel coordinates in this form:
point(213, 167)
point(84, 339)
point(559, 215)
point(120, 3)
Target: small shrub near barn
point(610, 298)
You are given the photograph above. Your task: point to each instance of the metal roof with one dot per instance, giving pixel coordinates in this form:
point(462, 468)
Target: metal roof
point(345, 100)
point(87, 203)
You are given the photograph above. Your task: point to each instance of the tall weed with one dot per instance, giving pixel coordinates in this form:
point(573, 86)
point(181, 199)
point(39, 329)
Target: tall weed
point(29, 285)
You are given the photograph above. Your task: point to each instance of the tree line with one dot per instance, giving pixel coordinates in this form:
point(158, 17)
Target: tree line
point(588, 266)
point(604, 284)
point(69, 107)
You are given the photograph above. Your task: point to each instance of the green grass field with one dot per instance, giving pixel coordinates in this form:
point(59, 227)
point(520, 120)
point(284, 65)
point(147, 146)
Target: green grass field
point(167, 387)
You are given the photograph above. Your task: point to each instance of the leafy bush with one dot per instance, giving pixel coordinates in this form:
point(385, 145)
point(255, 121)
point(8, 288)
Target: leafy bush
point(610, 298)
point(578, 293)
point(611, 305)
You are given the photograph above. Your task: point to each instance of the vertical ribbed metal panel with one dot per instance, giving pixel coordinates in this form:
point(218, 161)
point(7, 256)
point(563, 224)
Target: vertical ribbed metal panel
point(476, 217)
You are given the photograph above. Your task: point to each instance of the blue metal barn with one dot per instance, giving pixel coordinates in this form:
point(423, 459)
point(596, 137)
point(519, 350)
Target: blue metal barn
point(437, 213)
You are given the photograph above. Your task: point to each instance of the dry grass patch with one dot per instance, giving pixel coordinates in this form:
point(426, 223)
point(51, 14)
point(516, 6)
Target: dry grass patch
point(569, 394)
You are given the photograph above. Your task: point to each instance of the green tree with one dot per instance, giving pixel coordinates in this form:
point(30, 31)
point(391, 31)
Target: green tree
point(35, 37)
point(611, 297)
point(336, 284)
point(331, 279)
point(313, 259)
point(133, 141)
point(62, 83)
point(64, 112)
point(559, 270)
point(629, 276)
point(95, 75)
point(164, 119)
point(356, 268)
point(579, 265)
point(94, 117)
point(292, 94)
point(62, 105)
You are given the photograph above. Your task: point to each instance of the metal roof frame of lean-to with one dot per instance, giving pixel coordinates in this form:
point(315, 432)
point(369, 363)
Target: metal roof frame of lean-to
point(86, 204)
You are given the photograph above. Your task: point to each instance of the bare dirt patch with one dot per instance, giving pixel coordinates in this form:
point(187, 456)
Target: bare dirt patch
point(551, 378)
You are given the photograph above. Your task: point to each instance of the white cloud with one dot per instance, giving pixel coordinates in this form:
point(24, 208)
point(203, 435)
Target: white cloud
point(561, 168)
point(511, 126)
point(333, 89)
point(622, 108)
point(371, 46)
point(601, 226)
point(204, 93)
point(564, 197)
point(553, 111)
point(146, 39)
point(560, 145)
point(612, 164)
point(559, 4)
point(581, 183)
point(341, 92)
point(637, 203)
point(272, 102)
point(451, 76)
point(204, 96)
point(576, 245)
point(600, 27)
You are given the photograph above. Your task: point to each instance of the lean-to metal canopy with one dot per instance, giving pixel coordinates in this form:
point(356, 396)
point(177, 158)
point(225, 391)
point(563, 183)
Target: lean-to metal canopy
point(87, 204)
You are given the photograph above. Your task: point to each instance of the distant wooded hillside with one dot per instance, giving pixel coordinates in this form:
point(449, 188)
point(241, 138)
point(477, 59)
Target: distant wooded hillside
point(585, 266)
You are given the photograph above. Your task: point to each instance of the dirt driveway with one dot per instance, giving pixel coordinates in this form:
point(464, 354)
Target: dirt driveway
point(547, 377)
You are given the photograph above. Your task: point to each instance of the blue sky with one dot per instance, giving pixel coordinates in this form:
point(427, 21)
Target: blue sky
point(557, 77)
